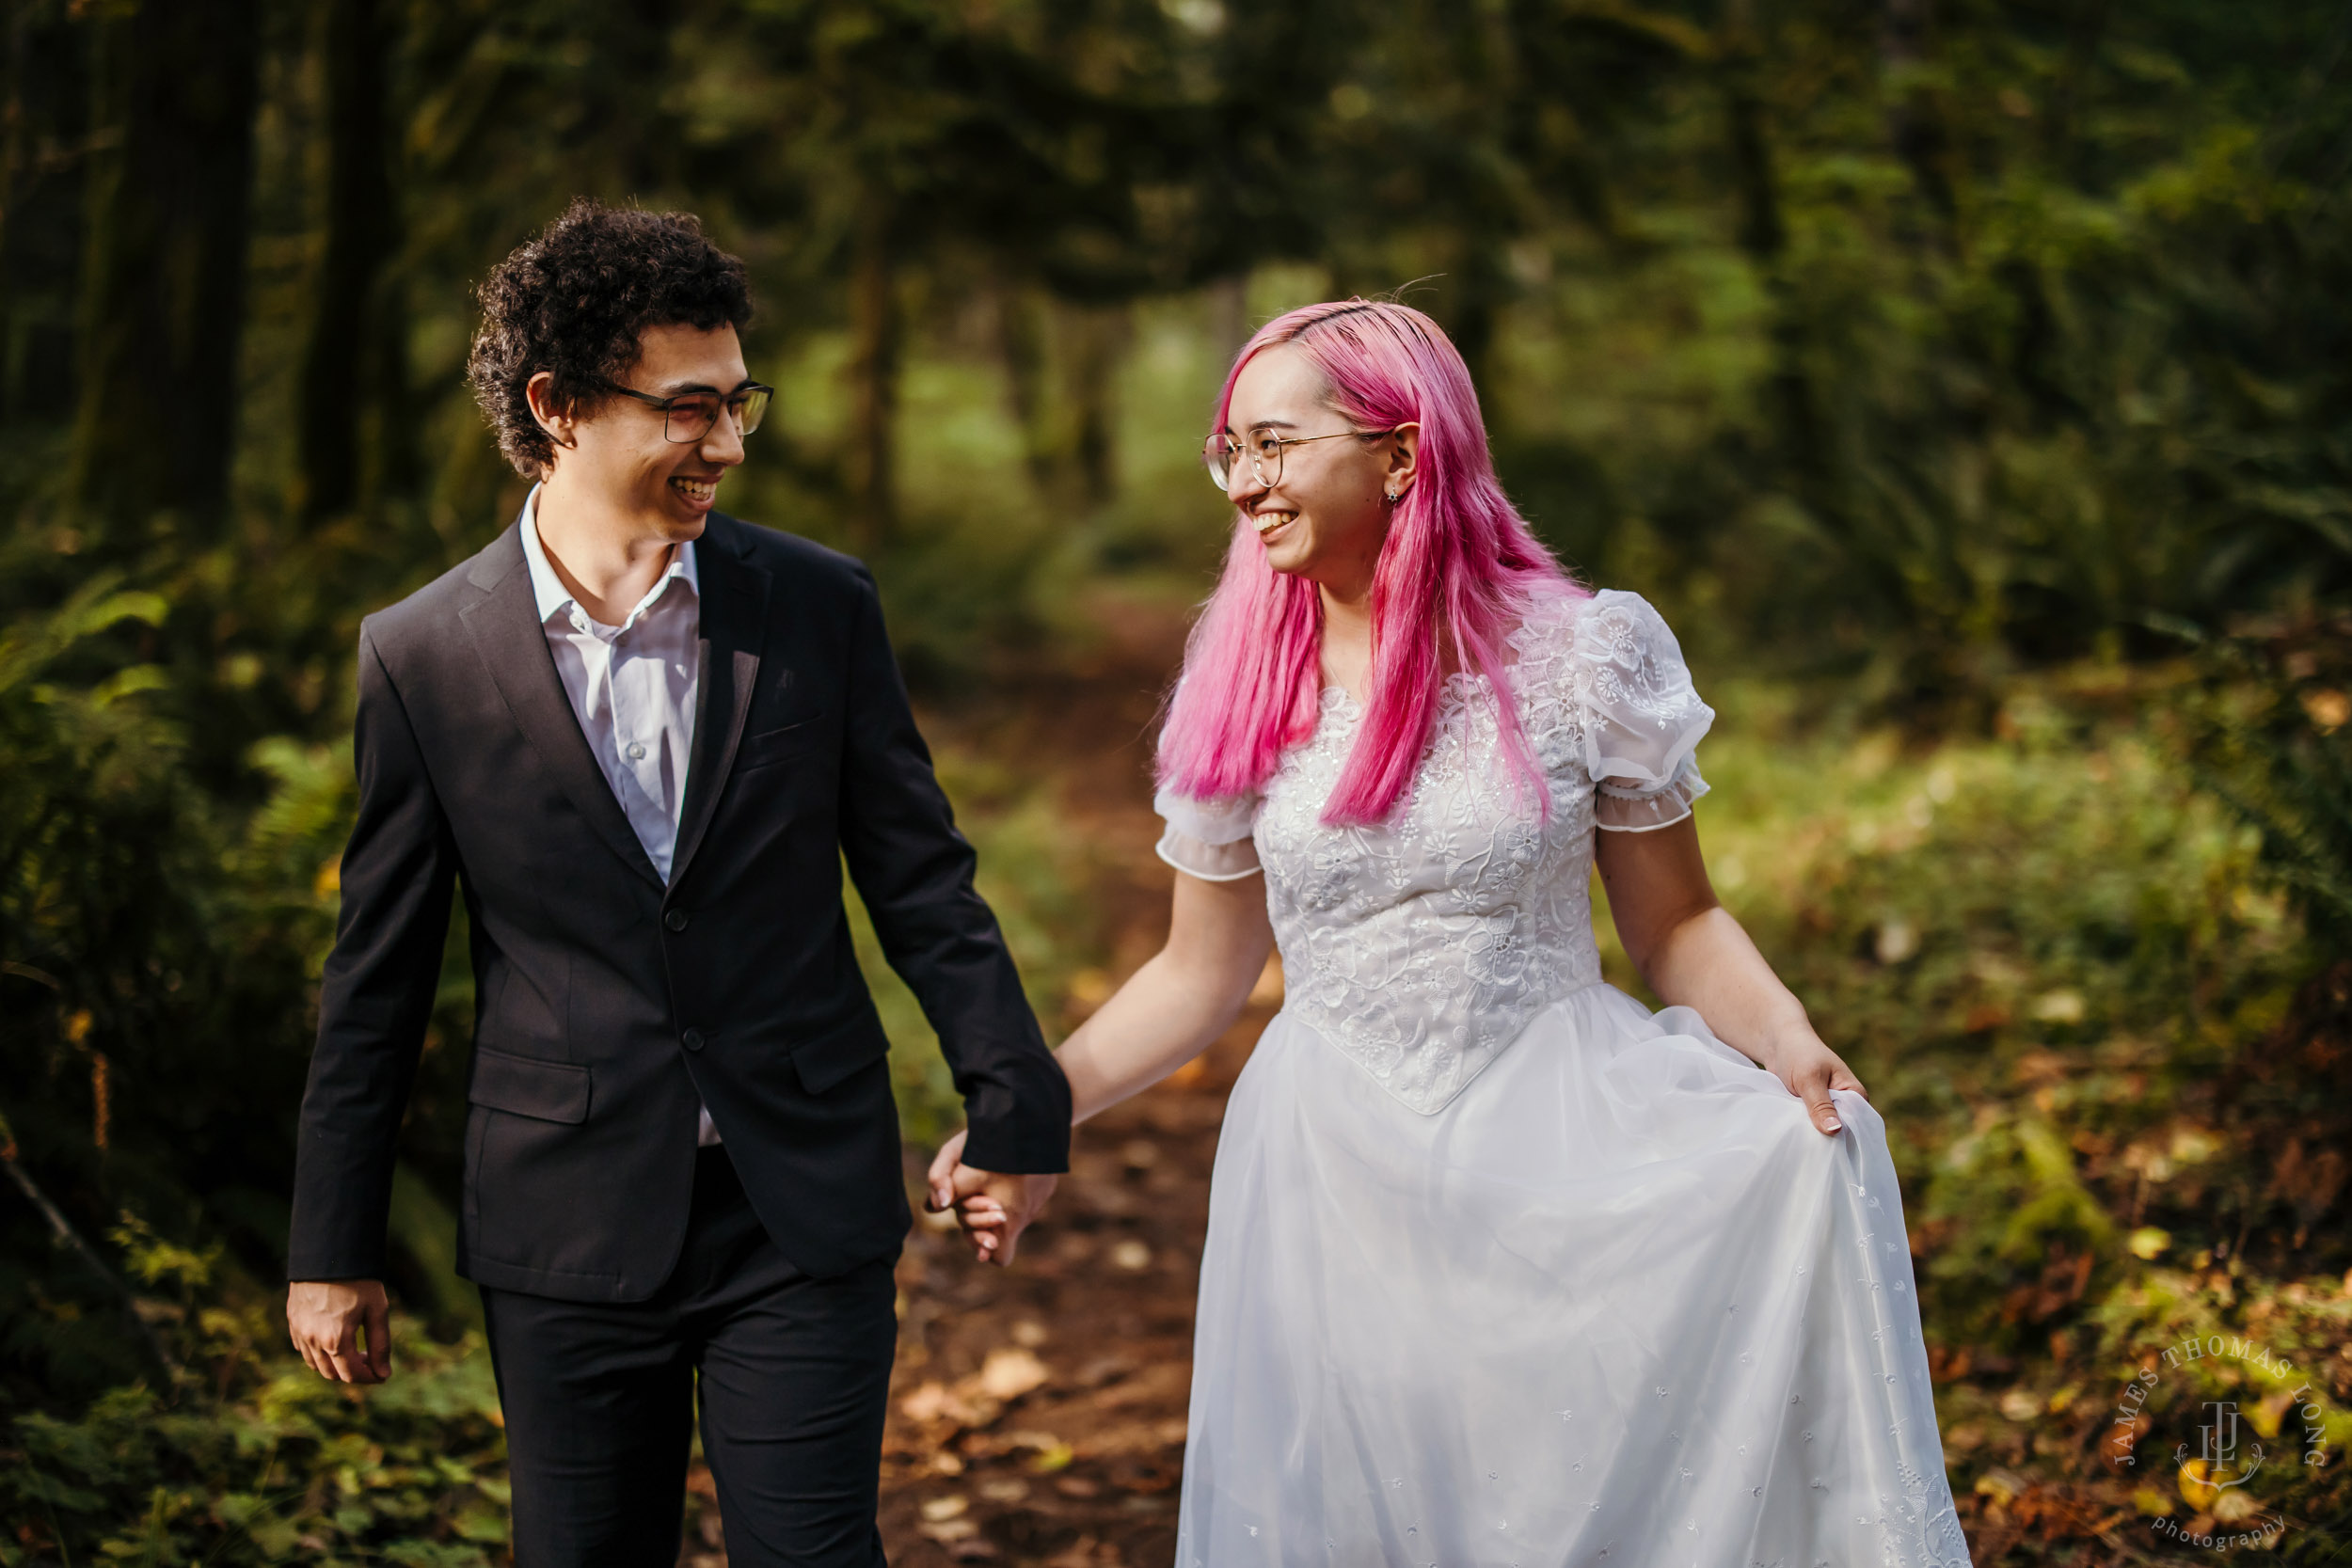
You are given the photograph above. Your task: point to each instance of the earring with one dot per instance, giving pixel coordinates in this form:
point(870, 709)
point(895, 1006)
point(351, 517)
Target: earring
point(1391, 495)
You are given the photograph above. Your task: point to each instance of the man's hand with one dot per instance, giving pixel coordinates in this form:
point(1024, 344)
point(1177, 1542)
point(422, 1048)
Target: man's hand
point(326, 1317)
point(993, 1207)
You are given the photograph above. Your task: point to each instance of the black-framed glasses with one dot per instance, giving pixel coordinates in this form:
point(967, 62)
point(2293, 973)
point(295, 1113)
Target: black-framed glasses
point(1263, 453)
point(689, 416)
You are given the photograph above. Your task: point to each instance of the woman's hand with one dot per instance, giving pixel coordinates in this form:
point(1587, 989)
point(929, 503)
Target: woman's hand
point(1811, 1069)
point(992, 1209)
point(1693, 952)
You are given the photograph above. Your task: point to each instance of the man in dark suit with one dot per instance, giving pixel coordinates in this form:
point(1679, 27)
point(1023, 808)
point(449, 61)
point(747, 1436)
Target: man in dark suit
point(642, 738)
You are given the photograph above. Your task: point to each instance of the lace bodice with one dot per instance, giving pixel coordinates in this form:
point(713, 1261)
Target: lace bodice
point(1422, 946)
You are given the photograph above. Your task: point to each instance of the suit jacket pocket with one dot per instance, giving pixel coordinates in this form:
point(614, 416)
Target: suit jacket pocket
point(528, 1086)
point(779, 744)
point(834, 1055)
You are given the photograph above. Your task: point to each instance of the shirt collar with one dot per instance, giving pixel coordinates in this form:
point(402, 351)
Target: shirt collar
point(554, 598)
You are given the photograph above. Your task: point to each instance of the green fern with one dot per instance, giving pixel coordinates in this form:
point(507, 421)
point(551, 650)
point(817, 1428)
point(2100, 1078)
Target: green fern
point(2272, 737)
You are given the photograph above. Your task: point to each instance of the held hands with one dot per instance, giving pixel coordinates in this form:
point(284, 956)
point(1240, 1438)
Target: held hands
point(993, 1207)
point(326, 1317)
point(1811, 1069)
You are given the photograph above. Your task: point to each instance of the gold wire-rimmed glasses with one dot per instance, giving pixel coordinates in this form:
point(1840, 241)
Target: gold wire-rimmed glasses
point(1264, 453)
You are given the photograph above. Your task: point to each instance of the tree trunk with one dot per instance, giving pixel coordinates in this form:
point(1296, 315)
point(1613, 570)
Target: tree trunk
point(1801, 431)
point(874, 330)
point(1915, 125)
point(1021, 347)
point(163, 292)
point(1097, 335)
point(44, 148)
point(2086, 30)
point(1803, 428)
point(345, 336)
point(1228, 317)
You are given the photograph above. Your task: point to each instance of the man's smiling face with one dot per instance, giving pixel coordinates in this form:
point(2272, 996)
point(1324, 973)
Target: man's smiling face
point(621, 453)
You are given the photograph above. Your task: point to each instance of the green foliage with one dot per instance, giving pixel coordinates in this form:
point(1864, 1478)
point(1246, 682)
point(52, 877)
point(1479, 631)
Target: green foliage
point(244, 1455)
point(1034, 877)
point(1943, 362)
point(2273, 732)
point(252, 1458)
point(126, 935)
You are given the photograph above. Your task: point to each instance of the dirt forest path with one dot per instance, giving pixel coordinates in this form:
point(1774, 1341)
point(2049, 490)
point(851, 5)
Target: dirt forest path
point(1037, 1412)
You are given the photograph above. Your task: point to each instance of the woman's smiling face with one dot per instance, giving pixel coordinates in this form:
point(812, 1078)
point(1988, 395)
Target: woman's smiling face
point(1327, 517)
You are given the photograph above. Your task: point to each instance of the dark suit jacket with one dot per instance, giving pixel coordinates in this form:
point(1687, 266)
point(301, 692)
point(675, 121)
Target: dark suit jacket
point(609, 1005)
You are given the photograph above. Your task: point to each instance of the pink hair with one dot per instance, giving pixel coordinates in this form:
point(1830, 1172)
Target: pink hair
point(1457, 555)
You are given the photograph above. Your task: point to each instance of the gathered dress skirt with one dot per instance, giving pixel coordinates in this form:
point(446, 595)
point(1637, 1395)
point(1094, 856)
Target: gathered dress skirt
point(1618, 1302)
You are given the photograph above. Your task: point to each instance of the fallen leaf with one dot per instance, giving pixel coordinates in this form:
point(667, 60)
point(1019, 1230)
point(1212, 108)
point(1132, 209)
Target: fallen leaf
point(2329, 708)
point(1011, 1372)
point(2060, 1006)
point(926, 1403)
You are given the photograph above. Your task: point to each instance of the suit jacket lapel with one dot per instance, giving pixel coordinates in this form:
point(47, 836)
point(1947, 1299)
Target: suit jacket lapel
point(734, 626)
point(507, 633)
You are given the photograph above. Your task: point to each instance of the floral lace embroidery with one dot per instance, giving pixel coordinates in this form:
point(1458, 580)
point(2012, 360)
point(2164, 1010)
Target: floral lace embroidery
point(1422, 946)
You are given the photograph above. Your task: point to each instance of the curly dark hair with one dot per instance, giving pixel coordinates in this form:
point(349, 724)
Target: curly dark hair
point(576, 299)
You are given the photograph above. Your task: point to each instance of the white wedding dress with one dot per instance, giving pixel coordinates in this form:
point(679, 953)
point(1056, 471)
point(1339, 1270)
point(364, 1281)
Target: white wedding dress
point(1503, 1269)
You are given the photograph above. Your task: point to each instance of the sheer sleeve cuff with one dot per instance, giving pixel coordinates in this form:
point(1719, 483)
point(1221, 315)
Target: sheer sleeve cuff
point(1208, 839)
point(1619, 808)
point(1210, 862)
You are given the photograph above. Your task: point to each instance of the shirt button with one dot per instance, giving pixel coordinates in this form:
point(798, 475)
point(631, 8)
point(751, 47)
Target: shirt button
point(636, 752)
point(692, 1039)
point(675, 919)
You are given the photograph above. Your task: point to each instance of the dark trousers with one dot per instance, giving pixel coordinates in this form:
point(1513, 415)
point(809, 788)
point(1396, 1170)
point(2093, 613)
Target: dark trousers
point(794, 1377)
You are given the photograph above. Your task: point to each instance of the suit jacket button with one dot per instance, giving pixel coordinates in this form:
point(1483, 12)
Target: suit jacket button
point(693, 1039)
point(675, 919)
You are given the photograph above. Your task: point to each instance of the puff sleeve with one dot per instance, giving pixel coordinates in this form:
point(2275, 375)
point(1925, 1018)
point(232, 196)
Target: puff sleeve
point(1642, 718)
point(1210, 839)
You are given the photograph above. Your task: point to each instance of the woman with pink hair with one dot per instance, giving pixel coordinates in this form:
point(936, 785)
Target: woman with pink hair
point(1501, 1267)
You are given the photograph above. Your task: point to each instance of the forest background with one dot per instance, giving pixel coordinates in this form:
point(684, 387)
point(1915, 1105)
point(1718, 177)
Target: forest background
point(1970, 383)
